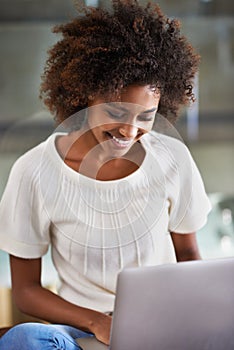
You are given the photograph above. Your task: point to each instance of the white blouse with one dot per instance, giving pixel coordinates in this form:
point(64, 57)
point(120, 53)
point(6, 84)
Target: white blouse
point(96, 228)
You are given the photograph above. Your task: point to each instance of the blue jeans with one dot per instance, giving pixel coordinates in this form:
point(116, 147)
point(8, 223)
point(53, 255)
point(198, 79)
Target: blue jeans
point(37, 336)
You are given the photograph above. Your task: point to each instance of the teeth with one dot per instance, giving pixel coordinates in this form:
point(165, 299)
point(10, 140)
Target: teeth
point(121, 142)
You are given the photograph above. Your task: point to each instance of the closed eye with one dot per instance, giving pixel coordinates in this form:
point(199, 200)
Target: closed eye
point(148, 115)
point(114, 115)
point(146, 118)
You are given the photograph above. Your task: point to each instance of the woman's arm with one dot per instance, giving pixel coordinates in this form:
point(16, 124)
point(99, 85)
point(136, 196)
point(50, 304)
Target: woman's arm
point(186, 247)
point(31, 298)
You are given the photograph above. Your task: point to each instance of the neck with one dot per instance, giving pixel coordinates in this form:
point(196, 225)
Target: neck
point(82, 154)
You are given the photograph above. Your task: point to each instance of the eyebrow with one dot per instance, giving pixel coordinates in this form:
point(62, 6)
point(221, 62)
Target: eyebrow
point(154, 109)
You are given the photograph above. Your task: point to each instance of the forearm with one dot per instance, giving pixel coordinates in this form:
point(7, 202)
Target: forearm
point(33, 299)
point(44, 304)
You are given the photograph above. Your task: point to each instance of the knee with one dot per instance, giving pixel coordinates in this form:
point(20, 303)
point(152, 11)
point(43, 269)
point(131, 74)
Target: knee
point(38, 336)
point(24, 330)
point(24, 336)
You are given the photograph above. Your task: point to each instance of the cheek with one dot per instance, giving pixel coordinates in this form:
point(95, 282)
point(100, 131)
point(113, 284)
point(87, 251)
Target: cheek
point(147, 127)
point(94, 121)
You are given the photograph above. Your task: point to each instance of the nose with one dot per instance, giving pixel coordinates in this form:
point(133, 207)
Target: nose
point(128, 130)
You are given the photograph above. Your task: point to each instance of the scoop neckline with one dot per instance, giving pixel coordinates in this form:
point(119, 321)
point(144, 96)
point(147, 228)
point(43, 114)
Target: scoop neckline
point(65, 169)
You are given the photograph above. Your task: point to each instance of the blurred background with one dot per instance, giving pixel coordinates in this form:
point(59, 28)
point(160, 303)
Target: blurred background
point(207, 128)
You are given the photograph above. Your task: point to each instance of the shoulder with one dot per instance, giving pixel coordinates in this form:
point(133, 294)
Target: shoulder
point(166, 147)
point(28, 164)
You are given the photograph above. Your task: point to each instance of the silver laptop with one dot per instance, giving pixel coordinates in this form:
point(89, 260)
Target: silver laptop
point(189, 305)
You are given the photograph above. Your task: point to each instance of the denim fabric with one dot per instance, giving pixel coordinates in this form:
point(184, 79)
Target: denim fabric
point(37, 336)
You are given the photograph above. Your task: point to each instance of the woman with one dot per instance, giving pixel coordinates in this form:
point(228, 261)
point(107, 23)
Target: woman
point(108, 192)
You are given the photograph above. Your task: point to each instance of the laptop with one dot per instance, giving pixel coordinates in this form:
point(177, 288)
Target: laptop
point(188, 305)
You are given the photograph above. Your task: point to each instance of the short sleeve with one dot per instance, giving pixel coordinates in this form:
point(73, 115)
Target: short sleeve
point(24, 224)
point(190, 204)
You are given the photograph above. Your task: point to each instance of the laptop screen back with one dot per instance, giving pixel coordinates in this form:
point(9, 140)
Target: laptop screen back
point(182, 306)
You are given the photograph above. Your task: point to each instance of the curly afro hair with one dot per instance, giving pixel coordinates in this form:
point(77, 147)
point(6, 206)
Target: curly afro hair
point(101, 52)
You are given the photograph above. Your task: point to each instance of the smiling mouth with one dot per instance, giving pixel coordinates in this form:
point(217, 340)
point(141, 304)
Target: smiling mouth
point(119, 142)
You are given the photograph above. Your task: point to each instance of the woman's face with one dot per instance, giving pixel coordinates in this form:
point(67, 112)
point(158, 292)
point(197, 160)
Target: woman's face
point(116, 126)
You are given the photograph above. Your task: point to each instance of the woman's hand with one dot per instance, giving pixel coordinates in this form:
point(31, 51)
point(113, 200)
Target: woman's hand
point(102, 327)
